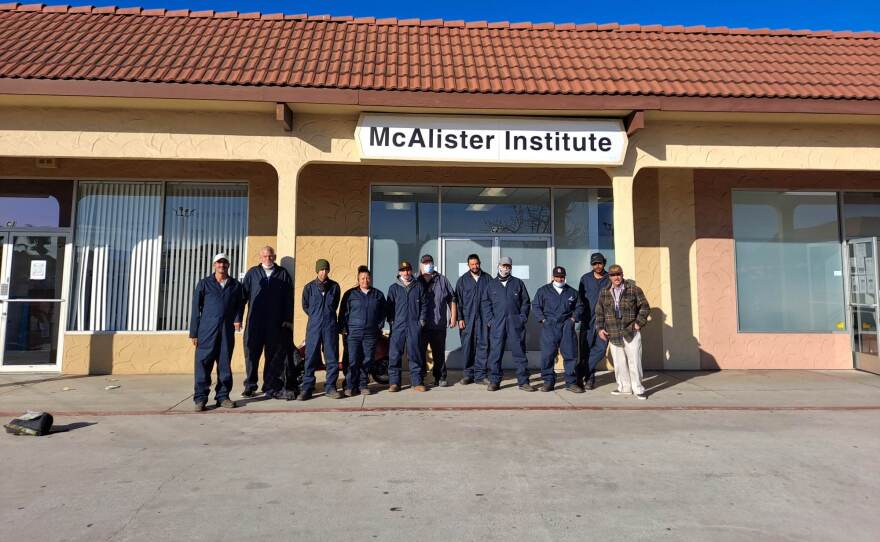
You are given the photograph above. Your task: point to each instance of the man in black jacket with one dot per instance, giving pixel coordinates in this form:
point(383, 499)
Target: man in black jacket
point(268, 290)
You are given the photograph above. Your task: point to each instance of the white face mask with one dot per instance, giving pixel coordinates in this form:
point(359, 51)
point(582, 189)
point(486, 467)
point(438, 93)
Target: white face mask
point(503, 272)
point(429, 268)
point(558, 285)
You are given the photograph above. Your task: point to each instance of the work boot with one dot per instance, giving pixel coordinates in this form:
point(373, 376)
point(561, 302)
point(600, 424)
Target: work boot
point(591, 383)
point(249, 393)
point(527, 387)
point(574, 388)
point(200, 406)
point(394, 388)
point(493, 387)
point(420, 388)
point(304, 395)
point(547, 387)
point(335, 394)
point(226, 403)
point(465, 381)
point(288, 395)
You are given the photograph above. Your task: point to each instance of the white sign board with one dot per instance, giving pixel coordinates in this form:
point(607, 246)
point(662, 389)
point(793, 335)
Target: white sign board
point(38, 269)
point(508, 140)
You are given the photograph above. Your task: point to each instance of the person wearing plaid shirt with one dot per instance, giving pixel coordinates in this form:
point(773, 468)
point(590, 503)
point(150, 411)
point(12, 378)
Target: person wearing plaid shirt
point(621, 312)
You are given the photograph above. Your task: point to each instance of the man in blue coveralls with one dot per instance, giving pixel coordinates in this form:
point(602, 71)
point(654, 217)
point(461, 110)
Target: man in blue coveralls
point(361, 319)
point(593, 347)
point(217, 307)
point(505, 308)
point(268, 290)
point(441, 300)
point(320, 300)
point(407, 311)
point(557, 308)
point(469, 292)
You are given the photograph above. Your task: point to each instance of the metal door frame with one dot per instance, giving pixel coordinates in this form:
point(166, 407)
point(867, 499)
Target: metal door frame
point(7, 248)
point(856, 355)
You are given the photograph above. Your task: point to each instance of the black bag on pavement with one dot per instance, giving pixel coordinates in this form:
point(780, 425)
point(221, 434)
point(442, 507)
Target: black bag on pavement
point(31, 423)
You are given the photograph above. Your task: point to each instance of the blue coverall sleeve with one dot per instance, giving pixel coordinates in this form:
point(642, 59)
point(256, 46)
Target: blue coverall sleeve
point(486, 307)
point(383, 308)
point(458, 296)
point(239, 308)
point(334, 301)
point(423, 307)
point(198, 302)
point(538, 305)
point(582, 301)
point(525, 304)
point(342, 320)
point(287, 315)
point(579, 310)
point(305, 299)
point(389, 306)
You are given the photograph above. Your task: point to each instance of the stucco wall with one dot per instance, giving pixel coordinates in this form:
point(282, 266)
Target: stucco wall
point(721, 345)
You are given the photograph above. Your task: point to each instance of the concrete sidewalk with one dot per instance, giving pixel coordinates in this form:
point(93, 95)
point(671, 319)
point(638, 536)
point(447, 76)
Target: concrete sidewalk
point(723, 390)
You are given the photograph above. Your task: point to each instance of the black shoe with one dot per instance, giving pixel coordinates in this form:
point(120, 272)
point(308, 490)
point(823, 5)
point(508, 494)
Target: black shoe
point(200, 406)
point(335, 394)
point(304, 395)
point(493, 387)
point(527, 387)
point(249, 393)
point(465, 381)
point(547, 387)
point(274, 394)
point(591, 383)
point(287, 395)
point(574, 388)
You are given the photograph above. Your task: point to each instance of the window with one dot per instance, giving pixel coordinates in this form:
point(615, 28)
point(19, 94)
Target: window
point(403, 226)
point(495, 210)
point(135, 264)
point(35, 204)
point(788, 261)
point(583, 224)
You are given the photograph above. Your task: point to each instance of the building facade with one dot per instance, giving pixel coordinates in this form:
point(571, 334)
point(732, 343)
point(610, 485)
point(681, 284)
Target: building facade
point(135, 144)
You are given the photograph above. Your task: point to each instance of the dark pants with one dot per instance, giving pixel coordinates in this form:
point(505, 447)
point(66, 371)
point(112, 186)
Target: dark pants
point(593, 350)
point(204, 364)
point(474, 350)
point(361, 347)
point(406, 338)
point(559, 337)
point(321, 338)
point(510, 335)
point(257, 342)
point(436, 339)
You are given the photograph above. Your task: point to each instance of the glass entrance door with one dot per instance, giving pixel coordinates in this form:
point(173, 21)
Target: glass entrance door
point(31, 275)
point(862, 300)
point(531, 263)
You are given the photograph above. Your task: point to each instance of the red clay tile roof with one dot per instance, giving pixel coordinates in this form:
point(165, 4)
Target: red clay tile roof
point(111, 44)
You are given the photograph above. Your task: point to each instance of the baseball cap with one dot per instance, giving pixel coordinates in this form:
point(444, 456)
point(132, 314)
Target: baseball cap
point(559, 271)
point(404, 265)
point(597, 257)
point(427, 258)
point(220, 256)
point(505, 260)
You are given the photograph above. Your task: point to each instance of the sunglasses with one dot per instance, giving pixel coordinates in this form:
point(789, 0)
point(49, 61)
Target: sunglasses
point(615, 274)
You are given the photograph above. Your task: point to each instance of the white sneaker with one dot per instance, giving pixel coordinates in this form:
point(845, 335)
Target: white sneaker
point(641, 396)
point(618, 392)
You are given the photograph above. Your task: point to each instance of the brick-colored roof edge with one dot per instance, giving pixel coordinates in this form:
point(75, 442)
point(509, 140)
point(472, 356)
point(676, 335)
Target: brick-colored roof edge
point(595, 27)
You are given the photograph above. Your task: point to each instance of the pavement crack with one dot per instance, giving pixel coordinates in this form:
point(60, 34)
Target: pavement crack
point(148, 500)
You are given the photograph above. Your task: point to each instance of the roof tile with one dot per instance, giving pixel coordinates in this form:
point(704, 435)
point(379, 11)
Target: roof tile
point(229, 48)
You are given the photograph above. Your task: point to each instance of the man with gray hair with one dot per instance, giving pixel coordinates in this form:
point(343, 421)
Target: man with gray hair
point(268, 290)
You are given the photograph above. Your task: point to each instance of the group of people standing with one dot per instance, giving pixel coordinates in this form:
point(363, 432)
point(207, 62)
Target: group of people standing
point(490, 313)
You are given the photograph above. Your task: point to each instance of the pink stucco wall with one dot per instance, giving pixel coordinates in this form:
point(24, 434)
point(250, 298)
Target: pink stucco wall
point(721, 345)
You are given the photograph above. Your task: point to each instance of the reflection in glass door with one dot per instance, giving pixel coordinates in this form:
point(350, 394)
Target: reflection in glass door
point(455, 253)
point(31, 275)
point(863, 302)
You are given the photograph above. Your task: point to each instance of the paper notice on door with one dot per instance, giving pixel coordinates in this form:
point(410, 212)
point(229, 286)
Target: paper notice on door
point(38, 269)
point(520, 272)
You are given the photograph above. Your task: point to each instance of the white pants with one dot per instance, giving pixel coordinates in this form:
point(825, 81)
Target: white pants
point(628, 365)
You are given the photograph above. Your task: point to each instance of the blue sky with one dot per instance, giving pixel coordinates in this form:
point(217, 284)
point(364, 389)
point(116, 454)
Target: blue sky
point(810, 14)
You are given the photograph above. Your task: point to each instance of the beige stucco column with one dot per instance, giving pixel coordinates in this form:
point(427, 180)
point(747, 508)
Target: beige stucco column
point(624, 226)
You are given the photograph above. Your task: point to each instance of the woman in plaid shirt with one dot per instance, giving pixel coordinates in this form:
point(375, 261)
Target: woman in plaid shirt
point(621, 312)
